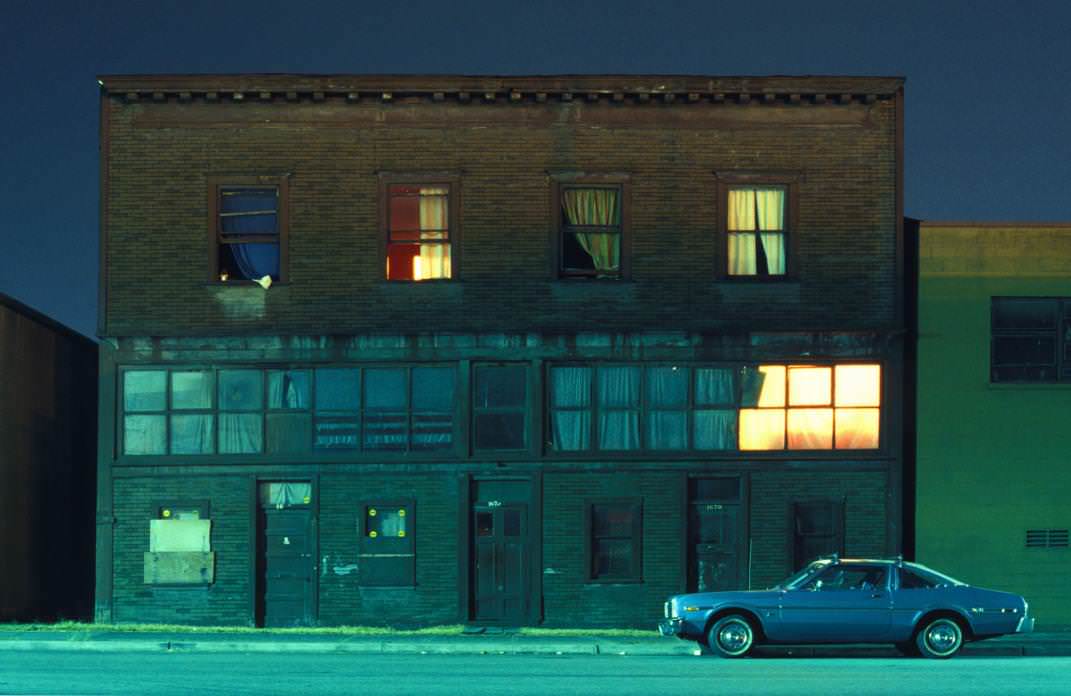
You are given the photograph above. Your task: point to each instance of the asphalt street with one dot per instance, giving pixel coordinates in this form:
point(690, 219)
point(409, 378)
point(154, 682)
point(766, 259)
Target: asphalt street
point(176, 673)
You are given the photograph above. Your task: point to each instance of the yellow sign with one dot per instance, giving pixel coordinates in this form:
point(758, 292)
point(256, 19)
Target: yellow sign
point(165, 514)
point(401, 533)
point(371, 512)
point(373, 534)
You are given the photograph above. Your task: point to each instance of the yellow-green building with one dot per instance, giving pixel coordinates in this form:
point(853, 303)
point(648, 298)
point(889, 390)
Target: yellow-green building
point(993, 424)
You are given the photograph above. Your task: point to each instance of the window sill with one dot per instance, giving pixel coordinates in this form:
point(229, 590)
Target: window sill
point(623, 582)
point(242, 283)
point(757, 280)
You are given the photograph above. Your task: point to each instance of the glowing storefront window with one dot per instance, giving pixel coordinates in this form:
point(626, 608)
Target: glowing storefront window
point(827, 407)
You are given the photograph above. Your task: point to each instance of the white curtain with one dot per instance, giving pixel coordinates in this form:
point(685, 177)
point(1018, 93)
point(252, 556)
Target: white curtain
point(619, 416)
point(240, 433)
point(667, 397)
point(570, 389)
point(288, 389)
point(434, 259)
point(595, 208)
point(191, 434)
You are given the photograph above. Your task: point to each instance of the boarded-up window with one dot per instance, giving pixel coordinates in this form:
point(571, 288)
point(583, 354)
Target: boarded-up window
point(818, 530)
point(614, 540)
point(385, 542)
point(180, 546)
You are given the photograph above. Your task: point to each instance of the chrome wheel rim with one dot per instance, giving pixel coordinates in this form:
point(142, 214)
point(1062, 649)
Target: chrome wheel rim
point(734, 637)
point(943, 637)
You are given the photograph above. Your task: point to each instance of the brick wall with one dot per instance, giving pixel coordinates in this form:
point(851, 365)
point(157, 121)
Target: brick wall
point(434, 599)
point(159, 156)
point(228, 599)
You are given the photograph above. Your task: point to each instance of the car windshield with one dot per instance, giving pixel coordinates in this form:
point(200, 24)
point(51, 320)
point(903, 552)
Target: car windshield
point(931, 575)
point(801, 576)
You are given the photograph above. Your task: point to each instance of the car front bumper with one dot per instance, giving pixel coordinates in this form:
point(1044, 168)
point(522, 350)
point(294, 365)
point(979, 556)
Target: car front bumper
point(671, 627)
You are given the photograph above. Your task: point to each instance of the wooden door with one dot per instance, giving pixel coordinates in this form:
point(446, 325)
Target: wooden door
point(286, 565)
point(500, 556)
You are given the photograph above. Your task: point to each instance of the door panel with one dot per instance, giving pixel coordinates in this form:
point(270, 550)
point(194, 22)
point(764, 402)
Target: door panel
point(286, 567)
point(501, 559)
point(714, 530)
point(834, 612)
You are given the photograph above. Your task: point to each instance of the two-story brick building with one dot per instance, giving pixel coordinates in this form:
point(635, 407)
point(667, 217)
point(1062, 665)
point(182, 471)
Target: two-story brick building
point(518, 350)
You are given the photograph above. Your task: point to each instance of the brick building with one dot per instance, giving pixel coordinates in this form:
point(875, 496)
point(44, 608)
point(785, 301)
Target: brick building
point(48, 431)
point(425, 349)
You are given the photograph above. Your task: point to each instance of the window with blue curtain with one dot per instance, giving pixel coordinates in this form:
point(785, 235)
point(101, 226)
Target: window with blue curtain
point(248, 232)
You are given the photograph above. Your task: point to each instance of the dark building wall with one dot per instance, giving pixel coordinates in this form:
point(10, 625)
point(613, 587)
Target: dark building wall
point(48, 428)
point(229, 599)
point(160, 155)
point(434, 597)
point(504, 304)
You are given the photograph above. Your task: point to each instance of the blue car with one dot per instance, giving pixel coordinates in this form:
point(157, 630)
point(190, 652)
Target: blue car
point(835, 600)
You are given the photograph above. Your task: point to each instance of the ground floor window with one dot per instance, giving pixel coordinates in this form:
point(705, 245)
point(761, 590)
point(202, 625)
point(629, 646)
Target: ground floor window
point(817, 530)
point(615, 540)
point(180, 545)
point(386, 549)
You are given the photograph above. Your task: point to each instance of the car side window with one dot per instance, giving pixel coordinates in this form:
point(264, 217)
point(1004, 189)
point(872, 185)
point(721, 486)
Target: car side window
point(913, 581)
point(841, 578)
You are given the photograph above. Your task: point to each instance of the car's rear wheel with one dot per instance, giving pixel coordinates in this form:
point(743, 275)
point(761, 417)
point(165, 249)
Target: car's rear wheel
point(939, 638)
point(731, 636)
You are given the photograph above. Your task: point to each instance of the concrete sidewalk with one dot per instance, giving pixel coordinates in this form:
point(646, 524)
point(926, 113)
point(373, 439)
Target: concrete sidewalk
point(1035, 645)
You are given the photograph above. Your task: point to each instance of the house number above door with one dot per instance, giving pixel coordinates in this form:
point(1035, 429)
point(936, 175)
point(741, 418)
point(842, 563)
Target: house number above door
point(494, 503)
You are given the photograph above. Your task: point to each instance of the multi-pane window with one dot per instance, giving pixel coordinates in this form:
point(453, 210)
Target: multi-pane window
point(500, 407)
point(806, 407)
point(419, 238)
point(253, 411)
point(628, 407)
point(818, 530)
point(249, 228)
point(614, 543)
point(756, 230)
point(1031, 339)
point(591, 231)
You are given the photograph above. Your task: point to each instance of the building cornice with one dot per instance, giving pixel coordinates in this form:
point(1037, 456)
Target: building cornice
point(503, 89)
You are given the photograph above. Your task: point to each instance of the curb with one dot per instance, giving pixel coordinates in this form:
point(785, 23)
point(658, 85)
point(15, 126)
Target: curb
point(608, 648)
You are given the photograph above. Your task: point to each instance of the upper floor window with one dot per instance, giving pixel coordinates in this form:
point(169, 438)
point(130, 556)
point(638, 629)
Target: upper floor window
point(1031, 339)
point(419, 231)
point(755, 227)
point(756, 231)
point(249, 228)
point(592, 227)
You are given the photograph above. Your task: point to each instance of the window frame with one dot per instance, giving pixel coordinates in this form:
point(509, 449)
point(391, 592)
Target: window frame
point(644, 408)
point(214, 410)
point(838, 516)
point(474, 410)
point(452, 182)
point(563, 181)
point(398, 550)
point(635, 575)
point(1060, 332)
point(726, 180)
point(281, 183)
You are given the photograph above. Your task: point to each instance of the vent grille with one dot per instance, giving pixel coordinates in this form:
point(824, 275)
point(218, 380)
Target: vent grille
point(1046, 538)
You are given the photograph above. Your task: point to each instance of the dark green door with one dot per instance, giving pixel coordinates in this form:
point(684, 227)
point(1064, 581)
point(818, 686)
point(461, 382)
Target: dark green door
point(501, 559)
point(715, 546)
point(286, 566)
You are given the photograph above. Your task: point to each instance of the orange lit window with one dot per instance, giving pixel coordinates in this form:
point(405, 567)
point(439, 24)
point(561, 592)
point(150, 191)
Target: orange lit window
point(418, 232)
point(835, 407)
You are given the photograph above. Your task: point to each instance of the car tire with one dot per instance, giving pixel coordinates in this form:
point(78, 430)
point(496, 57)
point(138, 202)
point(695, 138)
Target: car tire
point(731, 636)
point(939, 638)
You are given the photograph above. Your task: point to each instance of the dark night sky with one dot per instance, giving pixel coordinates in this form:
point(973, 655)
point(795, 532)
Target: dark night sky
point(988, 92)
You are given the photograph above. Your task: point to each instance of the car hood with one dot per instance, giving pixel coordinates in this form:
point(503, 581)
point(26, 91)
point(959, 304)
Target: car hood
point(710, 599)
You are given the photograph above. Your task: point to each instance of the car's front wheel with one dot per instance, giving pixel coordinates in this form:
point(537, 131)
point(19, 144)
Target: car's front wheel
point(731, 636)
point(939, 638)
